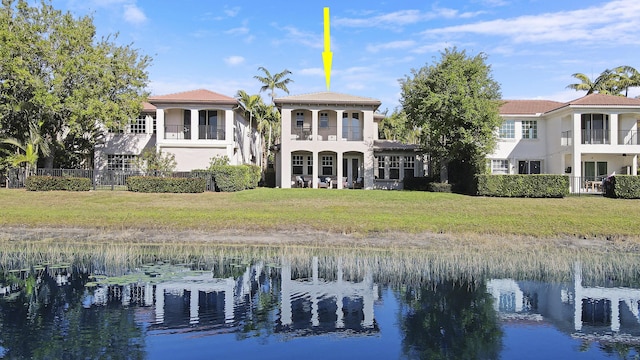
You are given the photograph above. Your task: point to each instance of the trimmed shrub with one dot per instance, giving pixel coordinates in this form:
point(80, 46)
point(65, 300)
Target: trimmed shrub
point(623, 187)
point(417, 183)
point(50, 183)
point(230, 178)
point(533, 186)
point(439, 187)
point(151, 184)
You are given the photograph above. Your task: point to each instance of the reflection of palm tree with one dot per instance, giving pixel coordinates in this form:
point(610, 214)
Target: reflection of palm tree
point(449, 320)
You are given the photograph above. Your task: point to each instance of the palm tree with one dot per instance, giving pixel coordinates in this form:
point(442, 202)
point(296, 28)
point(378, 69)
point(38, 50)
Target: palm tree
point(29, 150)
point(248, 104)
point(273, 82)
point(627, 77)
point(586, 84)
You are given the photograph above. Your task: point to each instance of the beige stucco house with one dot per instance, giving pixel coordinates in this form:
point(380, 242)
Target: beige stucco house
point(588, 139)
point(330, 140)
point(194, 126)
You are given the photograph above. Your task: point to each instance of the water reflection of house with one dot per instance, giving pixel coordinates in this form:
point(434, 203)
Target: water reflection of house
point(572, 307)
point(203, 302)
point(319, 306)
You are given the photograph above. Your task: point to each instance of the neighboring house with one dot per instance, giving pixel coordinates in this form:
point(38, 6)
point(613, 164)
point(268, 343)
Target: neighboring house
point(194, 126)
point(588, 138)
point(331, 140)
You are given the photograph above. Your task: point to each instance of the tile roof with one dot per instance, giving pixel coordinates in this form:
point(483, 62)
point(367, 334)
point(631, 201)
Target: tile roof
point(194, 96)
point(327, 97)
point(528, 107)
point(605, 100)
point(147, 107)
point(533, 107)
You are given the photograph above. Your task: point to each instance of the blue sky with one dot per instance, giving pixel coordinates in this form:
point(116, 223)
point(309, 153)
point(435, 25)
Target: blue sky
point(533, 46)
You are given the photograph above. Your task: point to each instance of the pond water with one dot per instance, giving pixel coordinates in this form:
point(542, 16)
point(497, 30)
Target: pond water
point(313, 307)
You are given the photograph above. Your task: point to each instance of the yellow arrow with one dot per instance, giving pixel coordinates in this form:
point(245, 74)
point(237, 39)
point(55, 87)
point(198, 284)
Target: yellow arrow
point(327, 55)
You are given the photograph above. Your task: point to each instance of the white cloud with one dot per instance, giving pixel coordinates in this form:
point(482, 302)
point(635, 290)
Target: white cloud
point(237, 31)
point(311, 72)
point(134, 15)
point(393, 45)
point(400, 18)
point(613, 21)
point(231, 12)
point(293, 34)
point(234, 60)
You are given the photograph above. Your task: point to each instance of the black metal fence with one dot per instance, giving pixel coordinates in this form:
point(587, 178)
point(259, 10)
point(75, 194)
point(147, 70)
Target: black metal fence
point(100, 179)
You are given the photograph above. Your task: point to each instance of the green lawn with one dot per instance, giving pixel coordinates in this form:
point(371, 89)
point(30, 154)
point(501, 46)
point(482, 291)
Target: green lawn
point(349, 211)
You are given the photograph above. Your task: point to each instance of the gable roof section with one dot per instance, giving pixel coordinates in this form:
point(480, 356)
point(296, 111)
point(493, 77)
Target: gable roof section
point(327, 98)
point(200, 96)
point(147, 107)
point(604, 100)
point(528, 107)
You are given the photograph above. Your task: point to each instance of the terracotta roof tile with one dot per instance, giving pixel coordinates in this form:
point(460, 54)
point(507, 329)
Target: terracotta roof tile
point(147, 107)
point(528, 107)
point(605, 100)
point(327, 97)
point(193, 96)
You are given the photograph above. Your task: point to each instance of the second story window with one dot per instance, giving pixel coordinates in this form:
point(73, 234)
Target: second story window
point(507, 130)
point(139, 125)
point(324, 120)
point(530, 129)
point(299, 119)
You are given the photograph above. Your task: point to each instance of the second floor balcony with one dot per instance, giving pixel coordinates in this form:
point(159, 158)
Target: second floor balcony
point(601, 137)
point(328, 133)
point(183, 132)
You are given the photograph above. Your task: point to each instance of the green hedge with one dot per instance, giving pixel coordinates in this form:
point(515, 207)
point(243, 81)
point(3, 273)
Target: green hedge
point(623, 187)
point(152, 184)
point(439, 187)
point(49, 183)
point(533, 186)
point(229, 178)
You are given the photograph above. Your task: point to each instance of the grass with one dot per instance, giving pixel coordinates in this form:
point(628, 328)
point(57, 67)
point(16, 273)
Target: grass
point(359, 212)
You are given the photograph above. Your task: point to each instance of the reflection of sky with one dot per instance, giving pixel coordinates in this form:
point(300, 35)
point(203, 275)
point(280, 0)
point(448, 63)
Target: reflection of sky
point(544, 342)
point(385, 345)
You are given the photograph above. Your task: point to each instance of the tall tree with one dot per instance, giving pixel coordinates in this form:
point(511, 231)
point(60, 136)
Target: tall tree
point(616, 81)
point(455, 102)
point(273, 82)
point(626, 77)
point(250, 105)
point(397, 127)
point(54, 70)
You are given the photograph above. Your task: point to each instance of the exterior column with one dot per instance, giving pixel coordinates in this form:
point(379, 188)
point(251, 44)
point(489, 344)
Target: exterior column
point(634, 165)
point(195, 128)
point(615, 314)
point(284, 166)
point(314, 125)
point(576, 156)
point(613, 128)
point(314, 175)
point(160, 131)
point(228, 126)
point(339, 124)
point(340, 160)
point(285, 169)
point(368, 170)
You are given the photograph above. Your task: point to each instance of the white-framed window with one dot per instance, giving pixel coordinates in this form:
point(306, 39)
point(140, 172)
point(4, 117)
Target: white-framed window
point(507, 130)
point(500, 166)
point(139, 125)
point(529, 129)
point(327, 165)
point(297, 163)
point(208, 125)
point(324, 120)
point(120, 162)
point(409, 166)
point(299, 119)
point(380, 165)
point(394, 167)
point(155, 124)
point(309, 165)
